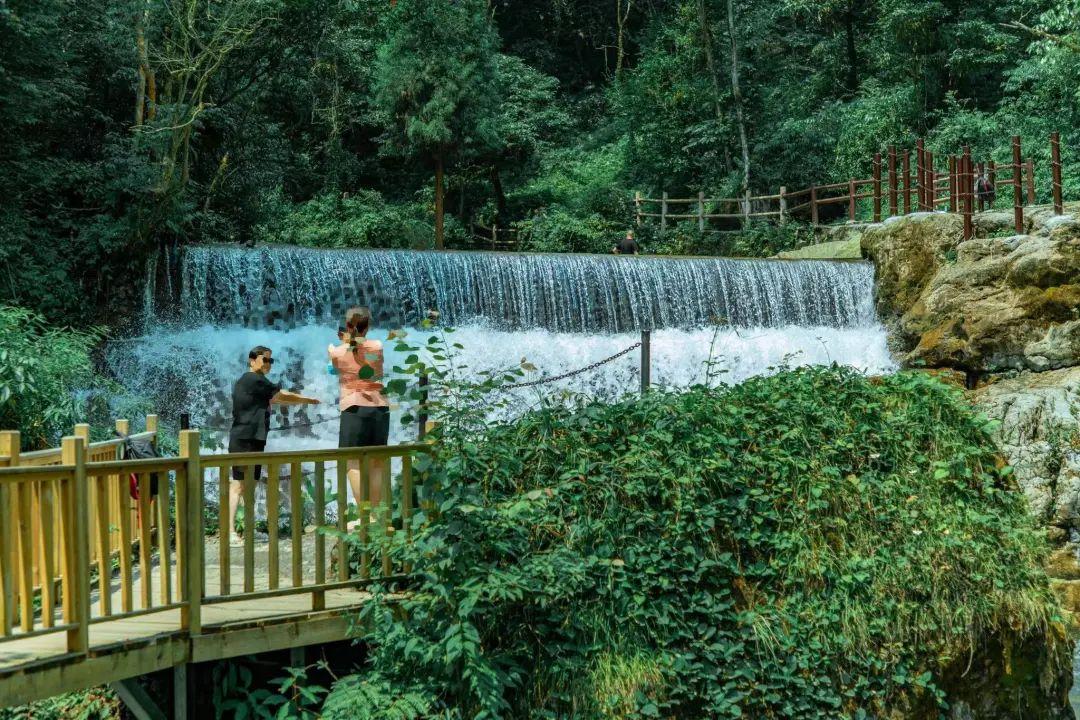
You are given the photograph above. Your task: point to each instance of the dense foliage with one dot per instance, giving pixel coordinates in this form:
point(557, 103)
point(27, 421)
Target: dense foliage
point(41, 368)
point(129, 126)
point(816, 544)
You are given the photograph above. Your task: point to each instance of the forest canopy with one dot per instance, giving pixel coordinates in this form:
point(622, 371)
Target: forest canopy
point(134, 126)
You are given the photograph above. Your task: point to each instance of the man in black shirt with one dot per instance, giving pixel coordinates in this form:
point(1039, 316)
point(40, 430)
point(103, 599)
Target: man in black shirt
point(627, 246)
point(252, 396)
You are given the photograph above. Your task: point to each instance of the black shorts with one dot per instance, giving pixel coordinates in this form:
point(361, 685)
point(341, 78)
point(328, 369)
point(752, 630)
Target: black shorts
point(364, 426)
point(246, 445)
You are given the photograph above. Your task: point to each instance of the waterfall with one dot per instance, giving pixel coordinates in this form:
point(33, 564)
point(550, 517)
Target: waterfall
point(561, 312)
point(286, 286)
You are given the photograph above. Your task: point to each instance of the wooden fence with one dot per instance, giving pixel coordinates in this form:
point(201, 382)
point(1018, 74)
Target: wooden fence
point(66, 531)
point(901, 182)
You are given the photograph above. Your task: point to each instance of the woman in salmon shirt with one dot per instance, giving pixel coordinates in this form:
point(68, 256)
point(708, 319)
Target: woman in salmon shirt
point(365, 411)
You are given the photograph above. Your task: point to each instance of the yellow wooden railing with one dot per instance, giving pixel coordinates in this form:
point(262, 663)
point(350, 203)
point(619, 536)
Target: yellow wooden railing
point(64, 526)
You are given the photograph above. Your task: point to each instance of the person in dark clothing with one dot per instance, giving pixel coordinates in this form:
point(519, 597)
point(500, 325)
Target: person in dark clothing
point(253, 395)
point(627, 246)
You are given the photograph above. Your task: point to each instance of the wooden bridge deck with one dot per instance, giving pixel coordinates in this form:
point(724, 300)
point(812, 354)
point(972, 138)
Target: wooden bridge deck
point(179, 597)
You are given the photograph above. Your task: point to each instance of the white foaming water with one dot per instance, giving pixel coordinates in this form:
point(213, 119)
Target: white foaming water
point(193, 370)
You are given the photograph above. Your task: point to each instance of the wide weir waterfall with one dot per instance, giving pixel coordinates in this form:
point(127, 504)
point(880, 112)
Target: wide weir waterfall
point(726, 317)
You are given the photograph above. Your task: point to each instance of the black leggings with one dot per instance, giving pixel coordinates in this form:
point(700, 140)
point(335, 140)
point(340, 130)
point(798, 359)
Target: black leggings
point(364, 426)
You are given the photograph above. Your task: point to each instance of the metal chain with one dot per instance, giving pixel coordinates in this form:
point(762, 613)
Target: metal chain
point(514, 386)
point(572, 373)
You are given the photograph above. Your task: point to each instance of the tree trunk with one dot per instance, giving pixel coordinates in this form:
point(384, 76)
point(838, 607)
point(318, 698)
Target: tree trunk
point(500, 196)
point(439, 209)
point(710, 61)
point(853, 58)
point(737, 97)
point(620, 21)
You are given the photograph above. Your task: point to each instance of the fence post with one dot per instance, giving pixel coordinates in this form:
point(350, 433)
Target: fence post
point(189, 527)
point(637, 208)
point(1030, 181)
point(1018, 192)
point(813, 205)
point(907, 182)
point(851, 199)
point(894, 208)
point(953, 184)
point(982, 171)
point(1055, 171)
point(877, 187)
point(75, 543)
point(9, 564)
point(968, 188)
point(783, 204)
point(663, 211)
point(992, 170)
point(931, 182)
point(646, 361)
point(920, 172)
point(701, 211)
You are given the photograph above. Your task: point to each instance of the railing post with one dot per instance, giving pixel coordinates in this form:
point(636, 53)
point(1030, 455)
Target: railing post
point(1018, 191)
point(76, 544)
point(9, 552)
point(894, 207)
point(920, 172)
point(931, 182)
point(637, 208)
point(851, 199)
point(1030, 181)
point(783, 204)
point(992, 170)
point(701, 211)
point(189, 527)
point(907, 182)
point(953, 184)
point(981, 172)
point(663, 211)
point(813, 205)
point(1055, 171)
point(877, 187)
point(646, 361)
point(968, 189)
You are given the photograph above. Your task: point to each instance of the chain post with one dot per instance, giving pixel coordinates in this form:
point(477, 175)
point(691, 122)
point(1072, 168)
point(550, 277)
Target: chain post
point(646, 361)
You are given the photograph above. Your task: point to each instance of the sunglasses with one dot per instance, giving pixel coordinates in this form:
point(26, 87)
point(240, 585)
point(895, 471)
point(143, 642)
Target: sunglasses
point(268, 361)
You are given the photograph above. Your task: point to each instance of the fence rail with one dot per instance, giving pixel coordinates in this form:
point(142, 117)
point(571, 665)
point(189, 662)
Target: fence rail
point(70, 559)
point(901, 182)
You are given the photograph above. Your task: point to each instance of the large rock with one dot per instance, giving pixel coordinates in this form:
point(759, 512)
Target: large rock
point(1039, 432)
point(986, 305)
point(908, 250)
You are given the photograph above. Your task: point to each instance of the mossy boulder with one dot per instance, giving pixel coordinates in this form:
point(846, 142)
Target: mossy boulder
point(989, 304)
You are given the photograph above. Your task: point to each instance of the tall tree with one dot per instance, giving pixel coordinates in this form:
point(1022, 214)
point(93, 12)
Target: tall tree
point(436, 84)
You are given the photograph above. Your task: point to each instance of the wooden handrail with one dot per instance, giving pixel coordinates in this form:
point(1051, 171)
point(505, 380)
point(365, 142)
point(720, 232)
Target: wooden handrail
point(82, 493)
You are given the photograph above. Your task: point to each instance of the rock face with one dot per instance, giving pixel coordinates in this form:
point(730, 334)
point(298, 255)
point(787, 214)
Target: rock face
point(1039, 432)
point(989, 304)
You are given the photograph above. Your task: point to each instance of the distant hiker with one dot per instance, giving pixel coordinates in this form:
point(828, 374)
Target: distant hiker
point(985, 190)
point(365, 410)
point(253, 395)
point(627, 246)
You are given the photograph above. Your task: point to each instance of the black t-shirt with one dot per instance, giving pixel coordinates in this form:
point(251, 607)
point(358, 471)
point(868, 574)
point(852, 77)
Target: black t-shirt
point(628, 246)
point(251, 406)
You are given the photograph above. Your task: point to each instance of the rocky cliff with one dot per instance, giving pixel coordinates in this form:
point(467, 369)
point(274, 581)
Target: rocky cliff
point(1003, 309)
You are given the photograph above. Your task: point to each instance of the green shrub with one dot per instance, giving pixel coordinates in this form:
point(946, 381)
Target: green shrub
point(361, 220)
point(816, 544)
point(41, 368)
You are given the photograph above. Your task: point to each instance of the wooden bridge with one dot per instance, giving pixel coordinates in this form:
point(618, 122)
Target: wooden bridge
point(99, 586)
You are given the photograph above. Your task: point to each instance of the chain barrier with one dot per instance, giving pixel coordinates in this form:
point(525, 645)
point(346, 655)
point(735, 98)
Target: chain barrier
point(572, 373)
point(513, 386)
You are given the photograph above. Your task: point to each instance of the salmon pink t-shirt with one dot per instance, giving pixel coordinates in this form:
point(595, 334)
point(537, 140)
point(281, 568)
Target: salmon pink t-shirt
point(355, 391)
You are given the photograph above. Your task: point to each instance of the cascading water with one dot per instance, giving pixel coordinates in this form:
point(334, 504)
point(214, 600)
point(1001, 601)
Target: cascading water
point(561, 312)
